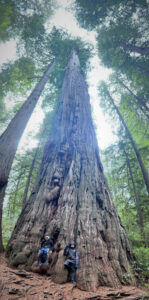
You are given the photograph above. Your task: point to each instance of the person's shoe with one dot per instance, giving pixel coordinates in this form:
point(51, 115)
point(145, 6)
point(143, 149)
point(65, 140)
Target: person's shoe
point(74, 284)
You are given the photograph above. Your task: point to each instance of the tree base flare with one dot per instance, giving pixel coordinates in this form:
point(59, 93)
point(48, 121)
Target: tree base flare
point(20, 284)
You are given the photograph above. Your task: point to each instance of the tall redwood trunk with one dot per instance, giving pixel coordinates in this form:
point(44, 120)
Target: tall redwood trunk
point(140, 161)
point(72, 200)
point(10, 138)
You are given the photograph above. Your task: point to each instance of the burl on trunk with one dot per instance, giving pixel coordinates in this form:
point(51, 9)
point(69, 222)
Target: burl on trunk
point(72, 200)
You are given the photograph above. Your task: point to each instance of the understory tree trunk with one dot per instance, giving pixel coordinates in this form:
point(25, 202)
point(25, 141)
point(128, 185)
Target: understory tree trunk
point(137, 200)
point(72, 200)
point(10, 138)
point(27, 185)
point(138, 155)
point(141, 103)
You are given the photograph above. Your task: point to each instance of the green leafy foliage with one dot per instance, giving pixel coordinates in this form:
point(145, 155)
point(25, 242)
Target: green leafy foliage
point(120, 181)
point(19, 17)
point(16, 77)
point(142, 267)
point(5, 18)
point(93, 13)
point(117, 49)
point(60, 45)
point(119, 160)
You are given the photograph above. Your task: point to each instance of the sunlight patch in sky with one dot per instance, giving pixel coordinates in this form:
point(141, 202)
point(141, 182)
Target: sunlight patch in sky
point(32, 126)
point(7, 51)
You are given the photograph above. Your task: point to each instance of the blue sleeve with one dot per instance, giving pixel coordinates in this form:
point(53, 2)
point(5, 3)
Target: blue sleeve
point(66, 251)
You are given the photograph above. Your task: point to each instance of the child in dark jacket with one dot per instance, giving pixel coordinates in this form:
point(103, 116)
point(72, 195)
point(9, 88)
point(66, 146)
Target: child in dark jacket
point(46, 249)
point(72, 259)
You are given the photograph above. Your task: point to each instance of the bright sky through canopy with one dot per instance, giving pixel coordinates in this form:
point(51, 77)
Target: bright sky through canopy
point(63, 18)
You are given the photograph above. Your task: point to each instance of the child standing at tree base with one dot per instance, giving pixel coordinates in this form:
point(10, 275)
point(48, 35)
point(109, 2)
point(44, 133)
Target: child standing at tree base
point(72, 259)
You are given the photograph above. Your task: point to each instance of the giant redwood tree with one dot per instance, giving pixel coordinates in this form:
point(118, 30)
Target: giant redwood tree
point(10, 138)
point(71, 199)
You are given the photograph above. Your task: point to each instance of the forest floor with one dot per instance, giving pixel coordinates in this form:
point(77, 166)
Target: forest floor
point(19, 284)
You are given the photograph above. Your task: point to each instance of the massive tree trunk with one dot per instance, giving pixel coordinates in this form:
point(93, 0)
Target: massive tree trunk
point(72, 200)
point(10, 138)
point(138, 155)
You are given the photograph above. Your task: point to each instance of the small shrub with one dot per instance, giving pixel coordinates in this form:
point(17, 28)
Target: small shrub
point(142, 262)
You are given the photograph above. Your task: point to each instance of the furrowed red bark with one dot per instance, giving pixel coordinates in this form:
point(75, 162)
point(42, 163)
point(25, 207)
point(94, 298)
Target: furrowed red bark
point(10, 138)
point(72, 200)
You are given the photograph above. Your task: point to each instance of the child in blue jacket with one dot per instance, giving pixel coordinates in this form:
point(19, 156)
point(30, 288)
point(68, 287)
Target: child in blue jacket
point(72, 259)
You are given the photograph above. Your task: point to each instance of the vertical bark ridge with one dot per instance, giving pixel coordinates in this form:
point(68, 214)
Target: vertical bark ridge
point(71, 199)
